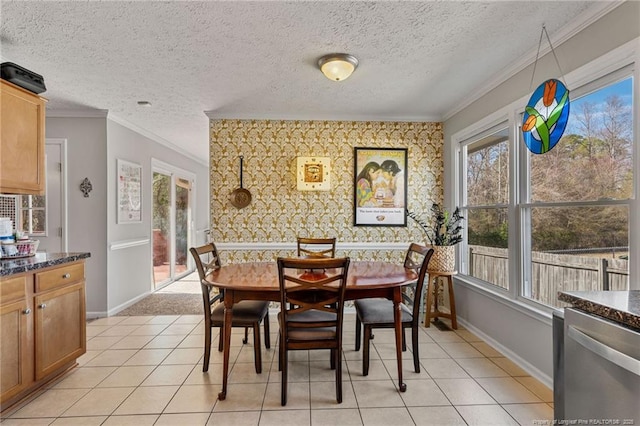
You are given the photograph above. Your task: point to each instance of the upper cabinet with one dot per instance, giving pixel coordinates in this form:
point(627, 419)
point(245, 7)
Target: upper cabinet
point(22, 121)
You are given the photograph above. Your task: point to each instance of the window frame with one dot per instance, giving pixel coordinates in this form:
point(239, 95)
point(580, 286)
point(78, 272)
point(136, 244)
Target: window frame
point(588, 78)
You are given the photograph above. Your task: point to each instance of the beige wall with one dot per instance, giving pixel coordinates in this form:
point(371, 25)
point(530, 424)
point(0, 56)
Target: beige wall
point(279, 212)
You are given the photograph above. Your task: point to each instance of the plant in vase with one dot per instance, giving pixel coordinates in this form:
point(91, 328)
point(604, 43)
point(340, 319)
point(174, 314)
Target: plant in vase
point(443, 231)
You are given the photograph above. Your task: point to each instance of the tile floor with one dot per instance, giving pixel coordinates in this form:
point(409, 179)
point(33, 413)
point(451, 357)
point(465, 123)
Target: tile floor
point(147, 370)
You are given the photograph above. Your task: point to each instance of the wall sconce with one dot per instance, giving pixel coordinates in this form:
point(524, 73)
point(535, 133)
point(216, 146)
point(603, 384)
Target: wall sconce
point(86, 187)
point(337, 66)
point(313, 173)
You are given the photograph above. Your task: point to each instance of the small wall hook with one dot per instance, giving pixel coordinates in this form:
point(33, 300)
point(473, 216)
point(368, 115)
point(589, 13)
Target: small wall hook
point(86, 187)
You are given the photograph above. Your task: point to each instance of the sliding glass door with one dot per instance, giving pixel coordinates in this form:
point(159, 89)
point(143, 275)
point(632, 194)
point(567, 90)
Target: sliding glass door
point(172, 223)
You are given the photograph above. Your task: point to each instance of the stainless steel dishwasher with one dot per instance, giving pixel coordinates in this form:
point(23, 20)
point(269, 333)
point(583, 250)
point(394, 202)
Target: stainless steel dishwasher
point(601, 370)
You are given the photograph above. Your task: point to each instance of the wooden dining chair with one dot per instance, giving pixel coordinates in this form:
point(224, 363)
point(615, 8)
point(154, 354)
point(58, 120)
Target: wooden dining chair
point(247, 313)
point(378, 313)
point(311, 310)
point(316, 247)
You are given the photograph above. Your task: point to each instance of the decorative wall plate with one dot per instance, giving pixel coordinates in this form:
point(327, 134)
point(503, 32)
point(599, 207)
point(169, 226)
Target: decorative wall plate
point(313, 173)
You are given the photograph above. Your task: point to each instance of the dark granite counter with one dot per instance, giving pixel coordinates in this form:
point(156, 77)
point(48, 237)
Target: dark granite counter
point(619, 306)
point(39, 261)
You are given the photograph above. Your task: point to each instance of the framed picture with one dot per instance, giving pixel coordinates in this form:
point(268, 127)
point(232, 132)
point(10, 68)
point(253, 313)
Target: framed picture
point(380, 193)
point(129, 192)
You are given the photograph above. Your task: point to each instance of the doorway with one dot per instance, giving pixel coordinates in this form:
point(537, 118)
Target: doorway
point(172, 225)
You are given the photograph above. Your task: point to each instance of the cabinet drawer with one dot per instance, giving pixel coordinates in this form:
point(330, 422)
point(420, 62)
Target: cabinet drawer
point(59, 277)
point(12, 289)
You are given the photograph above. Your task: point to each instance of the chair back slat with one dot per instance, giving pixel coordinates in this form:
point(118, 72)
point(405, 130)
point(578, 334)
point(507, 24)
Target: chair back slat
point(317, 284)
point(207, 260)
point(417, 258)
point(316, 247)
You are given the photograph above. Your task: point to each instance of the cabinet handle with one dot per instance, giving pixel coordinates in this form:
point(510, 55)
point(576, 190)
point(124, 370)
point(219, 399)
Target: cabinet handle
point(42, 305)
point(67, 275)
point(27, 311)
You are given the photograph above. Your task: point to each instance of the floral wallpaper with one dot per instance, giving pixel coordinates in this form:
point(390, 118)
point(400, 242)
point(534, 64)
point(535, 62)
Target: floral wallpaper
point(278, 212)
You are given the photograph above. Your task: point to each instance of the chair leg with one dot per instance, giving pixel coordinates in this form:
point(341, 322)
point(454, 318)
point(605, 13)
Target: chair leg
point(220, 338)
point(257, 349)
point(246, 336)
point(207, 350)
point(280, 352)
point(358, 332)
point(267, 336)
point(365, 350)
point(283, 384)
point(414, 345)
point(338, 362)
point(404, 341)
point(333, 359)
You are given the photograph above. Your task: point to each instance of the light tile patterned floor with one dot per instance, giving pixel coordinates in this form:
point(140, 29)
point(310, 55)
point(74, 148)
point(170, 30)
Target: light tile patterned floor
point(147, 371)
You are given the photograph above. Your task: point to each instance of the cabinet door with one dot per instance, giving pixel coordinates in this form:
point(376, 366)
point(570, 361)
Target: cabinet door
point(16, 360)
point(60, 327)
point(22, 129)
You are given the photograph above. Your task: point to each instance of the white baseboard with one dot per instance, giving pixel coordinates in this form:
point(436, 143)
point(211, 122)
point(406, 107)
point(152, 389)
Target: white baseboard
point(520, 362)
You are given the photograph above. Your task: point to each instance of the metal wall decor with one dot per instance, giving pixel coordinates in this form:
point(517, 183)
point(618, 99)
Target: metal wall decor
point(86, 187)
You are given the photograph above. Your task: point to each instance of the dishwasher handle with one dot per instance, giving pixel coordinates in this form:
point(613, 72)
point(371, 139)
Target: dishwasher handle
point(620, 359)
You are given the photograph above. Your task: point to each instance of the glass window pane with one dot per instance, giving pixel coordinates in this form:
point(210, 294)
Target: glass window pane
point(488, 256)
point(38, 222)
point(488, 170)
point(578, 248)
point(593, 160)
point(38, 201)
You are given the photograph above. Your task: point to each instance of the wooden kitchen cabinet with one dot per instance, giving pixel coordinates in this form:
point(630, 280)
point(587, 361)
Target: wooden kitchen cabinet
point(16, 369)
point(22, 132)
point(43, 327)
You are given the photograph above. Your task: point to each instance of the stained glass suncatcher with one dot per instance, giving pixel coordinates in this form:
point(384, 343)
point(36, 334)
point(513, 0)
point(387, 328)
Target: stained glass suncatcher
point(546, 116)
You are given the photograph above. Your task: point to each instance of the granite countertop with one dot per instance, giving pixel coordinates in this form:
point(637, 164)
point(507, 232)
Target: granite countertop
point(39, 261)
point(620, 306)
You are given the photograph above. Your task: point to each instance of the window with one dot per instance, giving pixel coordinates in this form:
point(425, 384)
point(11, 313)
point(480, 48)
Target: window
point(577, 214)
point(565, 223)
point(33, 214)
point(487, 197)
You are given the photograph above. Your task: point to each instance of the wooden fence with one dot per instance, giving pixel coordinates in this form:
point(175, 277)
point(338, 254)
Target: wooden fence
point(551, 273)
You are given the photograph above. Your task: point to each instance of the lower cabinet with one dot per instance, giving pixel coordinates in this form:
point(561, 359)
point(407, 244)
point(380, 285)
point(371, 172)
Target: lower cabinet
point(42, 327)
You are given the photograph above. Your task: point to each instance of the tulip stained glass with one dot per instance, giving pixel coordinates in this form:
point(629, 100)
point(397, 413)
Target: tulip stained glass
point(546, 116)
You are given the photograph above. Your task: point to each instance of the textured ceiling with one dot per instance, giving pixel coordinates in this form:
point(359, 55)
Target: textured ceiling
point(419, 60)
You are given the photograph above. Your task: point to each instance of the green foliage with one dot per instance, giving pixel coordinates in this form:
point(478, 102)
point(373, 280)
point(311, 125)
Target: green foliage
point(444, 229)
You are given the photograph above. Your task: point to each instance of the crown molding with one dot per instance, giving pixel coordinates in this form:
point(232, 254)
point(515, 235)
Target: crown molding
point(77, 113)
point(585, 19)
point(156, 138)
point(215, 115)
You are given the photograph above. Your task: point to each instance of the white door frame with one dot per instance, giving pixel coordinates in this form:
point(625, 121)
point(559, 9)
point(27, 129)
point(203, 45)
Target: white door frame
point(174, 172)
point(64, 236)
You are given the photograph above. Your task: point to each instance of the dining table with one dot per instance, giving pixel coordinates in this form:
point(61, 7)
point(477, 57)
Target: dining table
point(259, 281)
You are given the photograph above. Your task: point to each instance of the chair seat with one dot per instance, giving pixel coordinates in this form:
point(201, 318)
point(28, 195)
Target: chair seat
point(298, 332)
point(246, 312)
point(380, 311)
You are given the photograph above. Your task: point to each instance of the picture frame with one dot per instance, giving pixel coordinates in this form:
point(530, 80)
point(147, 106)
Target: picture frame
point(379, 186)
point(129, 189)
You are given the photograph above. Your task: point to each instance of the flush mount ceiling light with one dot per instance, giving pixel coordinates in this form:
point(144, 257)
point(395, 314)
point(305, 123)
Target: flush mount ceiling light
point(337, 66)
point(144, 103)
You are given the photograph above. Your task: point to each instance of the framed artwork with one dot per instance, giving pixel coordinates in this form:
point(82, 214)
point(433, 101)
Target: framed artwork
point(379, 190)
point(129, 192)
point(313, 173)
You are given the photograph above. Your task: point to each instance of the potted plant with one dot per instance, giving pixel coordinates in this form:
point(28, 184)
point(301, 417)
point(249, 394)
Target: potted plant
point(443, 232)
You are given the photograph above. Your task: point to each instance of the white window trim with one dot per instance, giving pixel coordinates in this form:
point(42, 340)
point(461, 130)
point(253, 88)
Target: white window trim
point(625, 55)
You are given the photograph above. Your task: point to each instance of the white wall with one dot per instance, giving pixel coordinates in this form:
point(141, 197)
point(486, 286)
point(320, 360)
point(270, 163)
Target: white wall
point(87, 217)
point(115, 278)
point(518, 331)
point(130, 273)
